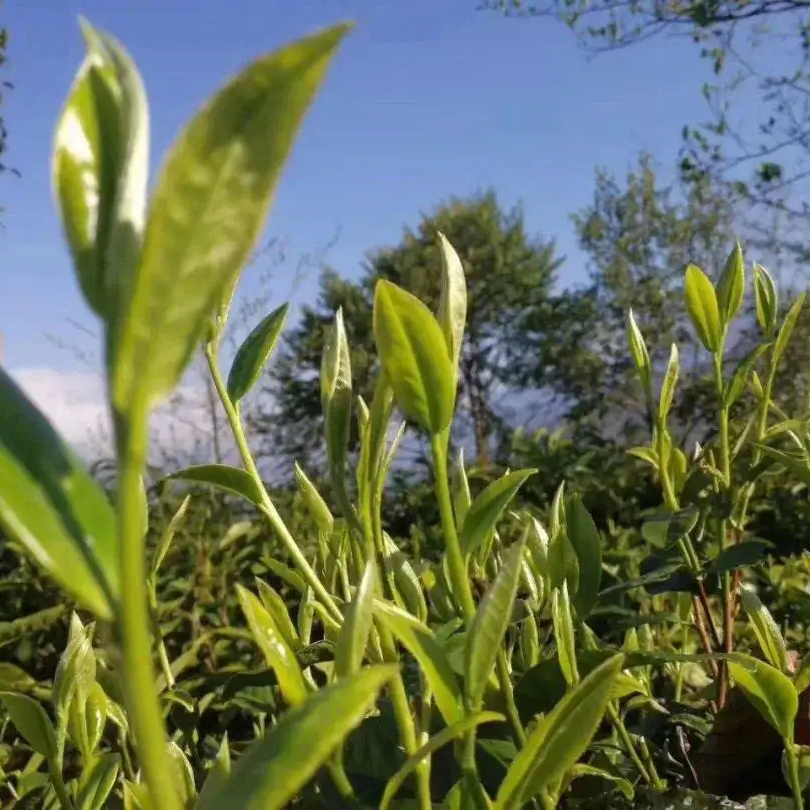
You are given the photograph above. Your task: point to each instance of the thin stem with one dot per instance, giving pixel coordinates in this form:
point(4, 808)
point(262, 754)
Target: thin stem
point(59, 785)
point(135, 619)
point(266, 504)
point(458, 568)
point(627, 741)
point(509, 696)
point(793, 770)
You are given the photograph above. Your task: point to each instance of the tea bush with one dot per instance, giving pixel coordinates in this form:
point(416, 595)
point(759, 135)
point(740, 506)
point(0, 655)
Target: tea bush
point(344, 671)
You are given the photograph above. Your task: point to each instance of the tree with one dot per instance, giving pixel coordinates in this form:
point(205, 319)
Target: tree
point(4, 86)
point(763, 164)
point(509, 275)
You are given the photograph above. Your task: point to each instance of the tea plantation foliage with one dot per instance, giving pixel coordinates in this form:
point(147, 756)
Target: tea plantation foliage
point(618, 608)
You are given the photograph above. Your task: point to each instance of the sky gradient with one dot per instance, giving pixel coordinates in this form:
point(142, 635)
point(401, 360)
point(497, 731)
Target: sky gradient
point(426, 99)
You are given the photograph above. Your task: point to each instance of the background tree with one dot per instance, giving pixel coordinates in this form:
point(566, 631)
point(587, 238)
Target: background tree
point(510, 274)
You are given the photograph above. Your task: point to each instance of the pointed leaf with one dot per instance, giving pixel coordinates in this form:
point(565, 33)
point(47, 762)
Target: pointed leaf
point(564, 634)
point(336, 397)
point(277, 652)
point(31, 722)
point(731, 285)
point(351, 643)
point(52, 506)
point(766, 630)
point(701, 304)
point(222, 476)
point(736, 385)
point(182, 774)
point(668, 384)
point(253, 354)
point(315, 503)
point(277, 608)
point(487, 508)
point(168, 535)
point(485, 638)
point(422, 645)
point(584, 537)
point(452, 314)
point(218, 772)
point(100, 167)
point(273, 770)
point(771, 693)
point(207, 211)
point(98, 782)
point(405, 578)
point(638, 350)
point(738, 556)
point(786, 330)
point(560, 738)
point(767, 300)
point(414, 355)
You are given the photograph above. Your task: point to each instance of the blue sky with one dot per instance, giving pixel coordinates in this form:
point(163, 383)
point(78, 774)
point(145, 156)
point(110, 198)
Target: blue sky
point(428, 98)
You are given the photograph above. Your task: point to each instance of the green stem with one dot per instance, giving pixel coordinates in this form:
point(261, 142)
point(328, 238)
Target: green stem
point(793, 770)
point(627, 741)
point(266, 504)
point(512, 713)
point(135, 620)
point(458, 568)
point(59, 785)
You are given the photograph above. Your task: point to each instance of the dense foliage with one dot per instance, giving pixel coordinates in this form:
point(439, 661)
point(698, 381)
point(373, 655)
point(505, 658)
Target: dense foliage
point(596, 609)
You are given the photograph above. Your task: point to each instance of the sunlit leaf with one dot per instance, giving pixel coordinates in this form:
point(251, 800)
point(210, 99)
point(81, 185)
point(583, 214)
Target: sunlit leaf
point(98, 782)
point(270, 772)
point(52, 506)
point(452, 313)
point(731, 285)
point(701, 304)
point(766, 630)
point(208, 208)
point(351, 643)
point(222, 476)
point(564, 634)
point(771, 693)
point(786, 330)
point(414, 355)
point(767, 300)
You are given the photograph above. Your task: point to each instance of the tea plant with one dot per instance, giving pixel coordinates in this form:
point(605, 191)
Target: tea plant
point(483, 665)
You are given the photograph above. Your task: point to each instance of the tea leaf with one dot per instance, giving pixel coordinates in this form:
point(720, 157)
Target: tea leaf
point(770, 692)
point(798, 465)
point(668, 385)
point(277, 652)
point(270, 772)
point(100, 168)
point(222, 476)
point(207, 210)
point(31, 722)
point(786, 330)
point(701, 304)
point(564, 634)
point(336, 397)
point(767, 300)
point(351, 643)
point(285, 573)
point(253, 354)
point(638, 349)
point(487, 508)
point(768, 636)
point(277, 608)
point(183, 775)
point(52, 506)
point(437, 741)
point(801, 678)
point(414, 355)
point(736, 385)
point(98, 782)
point(559, 739)
point(422, 645)
point(462, 499)
point(218, 772)
point(167, 535)
point(731, 285)
point(406, 580)
point(645, 454)
point(738, 556)
point(492, 618)
point(622, 784)
point(315, 503)
point(452, 313)
point(584, 537)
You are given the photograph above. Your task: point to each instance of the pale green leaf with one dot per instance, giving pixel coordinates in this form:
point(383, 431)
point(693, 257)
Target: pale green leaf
point(767, 300)
point(701, 304)
point(359, 616)
point(668, 384)
point(452, 313)
point(222, 476)
point(766, 630)
point(564, 634)
point(97, 782)
point(786, 330)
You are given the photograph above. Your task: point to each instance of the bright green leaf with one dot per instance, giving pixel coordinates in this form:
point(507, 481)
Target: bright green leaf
point(786, 330)
point(253, 354)
point(52, 506)
point(766, 630)
point(638, 349)
point(701, 304)
point(767, 300)
point(270, 772)
point(100, 167)
point(487, 508)
point(560, 738)
point(207, 211)
point(452, 313)
point(485, 637)
point(421, 643)
point(668, 384)
point(277, 608)
point(97, 782)
point(359, 616)
point(315, 503)
point(414, 355)
point(222, 476)
point(584, 537)
point(167, 535)
point(736, 385)
point(564, 634)
point(277, 652)
point(730, 288)
point(31, 722)
point(336, 398)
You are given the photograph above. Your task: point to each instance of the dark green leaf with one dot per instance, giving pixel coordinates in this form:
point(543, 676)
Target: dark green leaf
point(273, 770)
point(30, 720)
point(52, 506)
point(253, 354)
point(738, 556)
point(584, 537)
point(208, 208)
